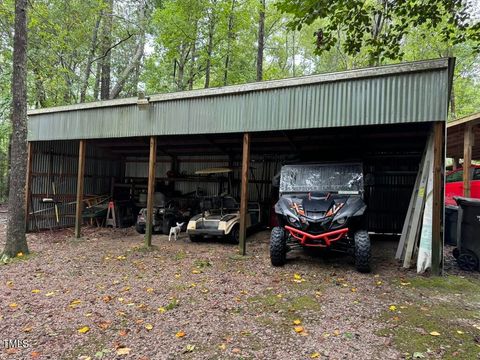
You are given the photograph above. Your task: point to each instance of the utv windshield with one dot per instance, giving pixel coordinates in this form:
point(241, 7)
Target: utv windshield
point(342, 178)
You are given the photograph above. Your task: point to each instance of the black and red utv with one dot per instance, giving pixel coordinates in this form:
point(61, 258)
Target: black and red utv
point(321, 206)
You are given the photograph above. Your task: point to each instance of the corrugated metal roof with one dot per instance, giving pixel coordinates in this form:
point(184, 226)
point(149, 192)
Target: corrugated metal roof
point(404, 93)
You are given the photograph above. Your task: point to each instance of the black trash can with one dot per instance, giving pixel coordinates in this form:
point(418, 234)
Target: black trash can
point(468, 239)
point(451, 219)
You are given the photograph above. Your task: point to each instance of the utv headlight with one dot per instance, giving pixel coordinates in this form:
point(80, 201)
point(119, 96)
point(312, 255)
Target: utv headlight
point(341, 221)
point(292, 220)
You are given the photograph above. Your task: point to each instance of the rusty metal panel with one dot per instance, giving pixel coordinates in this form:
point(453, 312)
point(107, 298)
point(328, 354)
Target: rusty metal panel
point(405, 93)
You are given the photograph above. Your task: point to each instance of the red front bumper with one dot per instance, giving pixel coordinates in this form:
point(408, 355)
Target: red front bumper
point(307, 239)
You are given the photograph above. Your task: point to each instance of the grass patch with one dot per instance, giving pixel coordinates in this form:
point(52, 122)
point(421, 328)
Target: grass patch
point(181, 255)
point(202, 263)
point(274, 303)
point(447, 284)
point(413, 325)
point(144, 249)
point(4, 260)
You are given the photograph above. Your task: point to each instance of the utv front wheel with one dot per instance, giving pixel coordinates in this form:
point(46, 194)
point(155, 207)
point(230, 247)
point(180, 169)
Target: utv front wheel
point(278, 246)
point(362, 251)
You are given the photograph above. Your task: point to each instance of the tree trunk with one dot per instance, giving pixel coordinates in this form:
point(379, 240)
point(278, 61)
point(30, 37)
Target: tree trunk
point(96, 88)
point(16, 241)
point(106, 52)
point(261, 40)
point(128, 70)
point(211, 30)
point(132, 65)
point(88, 68)
point(230, 36)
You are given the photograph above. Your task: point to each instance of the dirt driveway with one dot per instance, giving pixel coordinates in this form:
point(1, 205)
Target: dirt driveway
point(106, 297)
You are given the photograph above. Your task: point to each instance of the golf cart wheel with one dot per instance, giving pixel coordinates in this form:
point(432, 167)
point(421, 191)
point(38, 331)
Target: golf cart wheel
point(195, 238)
point(456, 253)
point(140, 229)
point(468, 261)
point(362, 251)
point(278, 246)
point(234, 236)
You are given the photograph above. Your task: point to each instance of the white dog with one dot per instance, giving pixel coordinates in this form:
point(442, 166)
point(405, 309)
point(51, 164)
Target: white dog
point(175, 231)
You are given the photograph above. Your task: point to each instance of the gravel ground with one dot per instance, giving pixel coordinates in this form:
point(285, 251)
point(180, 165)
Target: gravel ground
point(107, 297)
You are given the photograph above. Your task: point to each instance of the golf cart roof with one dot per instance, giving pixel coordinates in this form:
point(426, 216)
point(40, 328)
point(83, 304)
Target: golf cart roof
point(213, 170)
point(346, 178)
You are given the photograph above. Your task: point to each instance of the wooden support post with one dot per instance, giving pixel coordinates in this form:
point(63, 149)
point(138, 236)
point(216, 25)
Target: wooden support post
point(467, 158)
point(151, 190)
point(438, 196)
point(80, 181)
point(244, 193)
point(28, 183)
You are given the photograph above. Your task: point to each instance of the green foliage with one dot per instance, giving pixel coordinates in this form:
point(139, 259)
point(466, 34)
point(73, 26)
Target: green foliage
point(381, 25)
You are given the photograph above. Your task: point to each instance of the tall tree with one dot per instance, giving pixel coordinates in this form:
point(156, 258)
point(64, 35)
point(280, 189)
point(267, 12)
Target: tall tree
point(106, 58)
point(261, 40)
point(16, 240)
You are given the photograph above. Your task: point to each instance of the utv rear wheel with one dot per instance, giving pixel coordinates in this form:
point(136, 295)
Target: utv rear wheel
point(362, 251)
point(278, 246)
point(234, 235)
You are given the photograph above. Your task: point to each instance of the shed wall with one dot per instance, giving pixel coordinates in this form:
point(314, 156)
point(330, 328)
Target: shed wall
point(57, 162)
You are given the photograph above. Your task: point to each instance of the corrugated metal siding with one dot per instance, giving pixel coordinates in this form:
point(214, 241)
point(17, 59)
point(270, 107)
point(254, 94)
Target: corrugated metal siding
point(389, 99)
point(63, 165)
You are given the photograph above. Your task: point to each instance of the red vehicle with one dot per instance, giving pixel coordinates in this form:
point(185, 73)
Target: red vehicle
point(454, 184)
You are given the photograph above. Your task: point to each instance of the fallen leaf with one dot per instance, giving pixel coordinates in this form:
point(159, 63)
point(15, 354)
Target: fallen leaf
point(404, 283)
point(434, 333)
point(298, 329)
point(123, 332)
point(180, 334)
point(196, 271)
point(189, 348)
point(150, 290)
point(83, 330)
point(13, 305)
point(20, 254)
point(392, 308)
point(161, 310)
point(222, 346)
point(35, 291)
point(51, 293)
point(236, 350)
point(336, 332)
point(460, 332)
point(27, 329)
point(315, 355)
point(353, 289)
point(121, 257)
point(298, 278)
point(148, 327)
point(107, 298)
point(418, 355)
point(74, 303)
point(10, 283)
point(123, 351)
point(126, 288)
point(297, 322)
point(379, 283)
point(34, 354)
point(104, 325)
